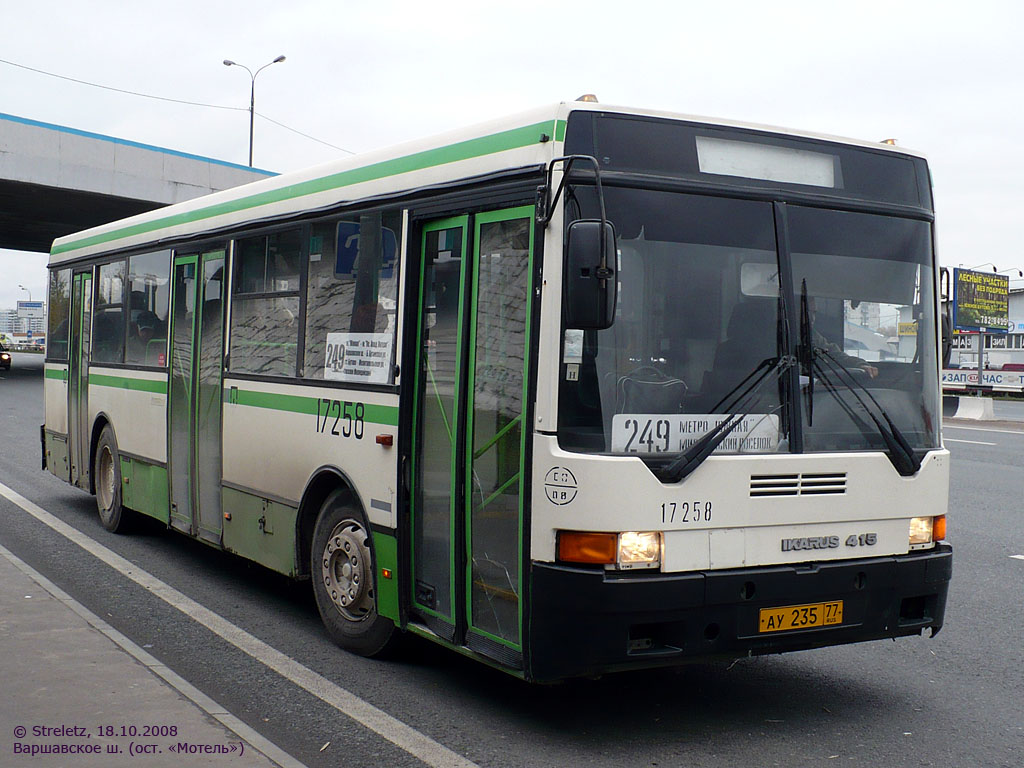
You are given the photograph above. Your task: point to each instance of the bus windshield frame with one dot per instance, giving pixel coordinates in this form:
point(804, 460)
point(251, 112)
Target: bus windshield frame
point(710, 290)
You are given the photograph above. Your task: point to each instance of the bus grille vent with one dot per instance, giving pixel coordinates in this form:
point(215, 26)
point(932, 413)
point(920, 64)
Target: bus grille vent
point(818, 484)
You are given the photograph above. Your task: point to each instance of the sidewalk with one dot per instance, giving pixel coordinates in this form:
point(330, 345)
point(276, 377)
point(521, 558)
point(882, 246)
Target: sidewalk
point(76, 687)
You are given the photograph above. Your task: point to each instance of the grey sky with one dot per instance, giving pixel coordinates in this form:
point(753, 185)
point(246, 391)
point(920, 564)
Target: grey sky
point(941, 77)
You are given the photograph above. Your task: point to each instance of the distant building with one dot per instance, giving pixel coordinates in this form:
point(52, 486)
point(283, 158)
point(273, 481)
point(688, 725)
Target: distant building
point(28, 318)
point(1000, 348)
point(10, 323)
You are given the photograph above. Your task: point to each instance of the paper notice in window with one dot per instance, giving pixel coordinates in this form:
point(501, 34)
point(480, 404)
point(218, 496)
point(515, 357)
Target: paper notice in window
point(363, 357)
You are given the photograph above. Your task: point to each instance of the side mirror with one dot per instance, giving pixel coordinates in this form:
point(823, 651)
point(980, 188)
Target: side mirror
point(947, 337)
point(590, 283)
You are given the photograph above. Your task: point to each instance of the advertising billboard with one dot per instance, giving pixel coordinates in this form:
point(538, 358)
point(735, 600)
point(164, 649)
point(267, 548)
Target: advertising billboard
point(981, 301)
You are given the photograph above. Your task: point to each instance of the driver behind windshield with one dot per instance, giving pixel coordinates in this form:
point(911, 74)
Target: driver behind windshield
point(820, 341)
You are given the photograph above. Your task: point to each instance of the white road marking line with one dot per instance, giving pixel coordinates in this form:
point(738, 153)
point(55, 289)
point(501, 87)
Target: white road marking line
point(982, 429)
point(972, 442)
point(1017, 557)
point(417, 744)
point(257, 741)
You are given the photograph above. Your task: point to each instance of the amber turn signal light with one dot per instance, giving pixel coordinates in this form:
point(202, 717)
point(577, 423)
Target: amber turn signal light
point(586, 547)
point(939, 528)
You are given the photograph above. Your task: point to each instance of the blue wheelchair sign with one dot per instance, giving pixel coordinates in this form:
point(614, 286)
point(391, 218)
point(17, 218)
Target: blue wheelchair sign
point(348, 250)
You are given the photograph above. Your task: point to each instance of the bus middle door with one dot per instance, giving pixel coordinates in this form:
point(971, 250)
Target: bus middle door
point(469, 439)
point(194, 398)
point(79, 437)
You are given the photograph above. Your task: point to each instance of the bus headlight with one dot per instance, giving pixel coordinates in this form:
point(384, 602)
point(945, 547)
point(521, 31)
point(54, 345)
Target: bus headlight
point(638, 550)
point(625, 551)
point(925, 530)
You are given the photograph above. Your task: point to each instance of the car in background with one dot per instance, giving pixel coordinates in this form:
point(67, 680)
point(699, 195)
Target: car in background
point(5, 358)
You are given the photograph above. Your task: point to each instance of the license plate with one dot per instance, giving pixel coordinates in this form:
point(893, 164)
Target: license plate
point(801, 616)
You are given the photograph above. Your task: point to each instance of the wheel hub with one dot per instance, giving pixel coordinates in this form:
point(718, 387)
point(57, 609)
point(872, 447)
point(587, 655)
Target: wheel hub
point(106, 480)
point(345, 570)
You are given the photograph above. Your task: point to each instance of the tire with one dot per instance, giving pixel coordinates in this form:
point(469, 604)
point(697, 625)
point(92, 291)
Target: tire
point(344, 579)
point(106, 473)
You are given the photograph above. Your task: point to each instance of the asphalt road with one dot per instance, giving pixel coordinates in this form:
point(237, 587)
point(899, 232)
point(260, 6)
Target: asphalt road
point(954, 700)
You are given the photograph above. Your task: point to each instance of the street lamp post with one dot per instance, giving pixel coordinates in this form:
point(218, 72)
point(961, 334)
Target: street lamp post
point(26, 290)
point(252, 93)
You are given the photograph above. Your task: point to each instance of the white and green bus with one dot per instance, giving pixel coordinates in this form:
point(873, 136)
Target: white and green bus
point(584, 389)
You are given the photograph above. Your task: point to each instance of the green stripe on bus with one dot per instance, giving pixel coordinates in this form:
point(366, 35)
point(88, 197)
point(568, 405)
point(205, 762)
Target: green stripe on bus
point(464, 150)
point(386, 415)
point(123, 382)
point(56, 373)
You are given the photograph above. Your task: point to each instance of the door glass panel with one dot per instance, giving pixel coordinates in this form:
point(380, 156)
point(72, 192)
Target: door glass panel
point(495, 478)
point(83, 380)
point(180, 395)
point(210, 355)
point(436, 419)
point(74, 362)
point(78, 378)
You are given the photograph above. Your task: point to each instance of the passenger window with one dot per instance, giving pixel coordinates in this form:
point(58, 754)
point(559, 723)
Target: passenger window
point(58, 314)
point(108, 317)
point(265, 307)
point(351, 299)
point(148, 295)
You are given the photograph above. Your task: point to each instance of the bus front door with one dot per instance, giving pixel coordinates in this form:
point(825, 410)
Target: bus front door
point(469, 440)
point(79, 437)
point(194, 397)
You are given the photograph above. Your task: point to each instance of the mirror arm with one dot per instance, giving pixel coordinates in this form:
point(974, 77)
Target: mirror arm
point(546, 203)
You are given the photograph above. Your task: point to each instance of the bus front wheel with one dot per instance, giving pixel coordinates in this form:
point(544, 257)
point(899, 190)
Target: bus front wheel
point(106, 473)
point(344, 579)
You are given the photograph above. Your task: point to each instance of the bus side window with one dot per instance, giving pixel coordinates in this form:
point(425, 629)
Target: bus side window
point(108, 320)
point(148, 296)
point(265, 305)
point(351, 294)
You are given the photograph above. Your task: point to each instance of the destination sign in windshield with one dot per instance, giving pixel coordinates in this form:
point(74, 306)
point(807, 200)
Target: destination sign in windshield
point(663, 433)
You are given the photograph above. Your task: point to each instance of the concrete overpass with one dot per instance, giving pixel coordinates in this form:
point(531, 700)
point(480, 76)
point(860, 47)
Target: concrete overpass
point(56, 180)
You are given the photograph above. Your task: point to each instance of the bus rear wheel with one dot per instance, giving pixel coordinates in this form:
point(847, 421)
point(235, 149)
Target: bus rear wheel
point(106, 473)
point(344, 579)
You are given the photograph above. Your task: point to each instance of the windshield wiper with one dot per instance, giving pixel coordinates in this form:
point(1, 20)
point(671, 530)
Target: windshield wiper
point(684, 464)
point(900, 453)
point(806, 352)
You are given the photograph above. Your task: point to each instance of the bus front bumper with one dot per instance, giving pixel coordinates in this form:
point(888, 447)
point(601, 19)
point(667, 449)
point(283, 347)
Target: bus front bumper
point(587, 621)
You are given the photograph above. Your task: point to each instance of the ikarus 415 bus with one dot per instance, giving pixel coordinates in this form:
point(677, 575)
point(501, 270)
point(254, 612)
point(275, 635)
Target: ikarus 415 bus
point(583, 389)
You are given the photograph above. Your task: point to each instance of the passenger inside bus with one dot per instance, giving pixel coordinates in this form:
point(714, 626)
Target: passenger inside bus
point(143, 331)
point(820, 342)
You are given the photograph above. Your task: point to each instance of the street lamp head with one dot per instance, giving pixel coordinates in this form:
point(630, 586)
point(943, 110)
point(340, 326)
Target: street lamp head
point(252, 93)
point(983, 264)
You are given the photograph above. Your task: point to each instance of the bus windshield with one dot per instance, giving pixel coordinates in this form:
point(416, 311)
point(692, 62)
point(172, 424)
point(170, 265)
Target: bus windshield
point(699, 332)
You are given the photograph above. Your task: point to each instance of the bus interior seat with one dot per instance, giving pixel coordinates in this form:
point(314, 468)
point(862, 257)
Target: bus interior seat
point(750, 339)
point(154, 348)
